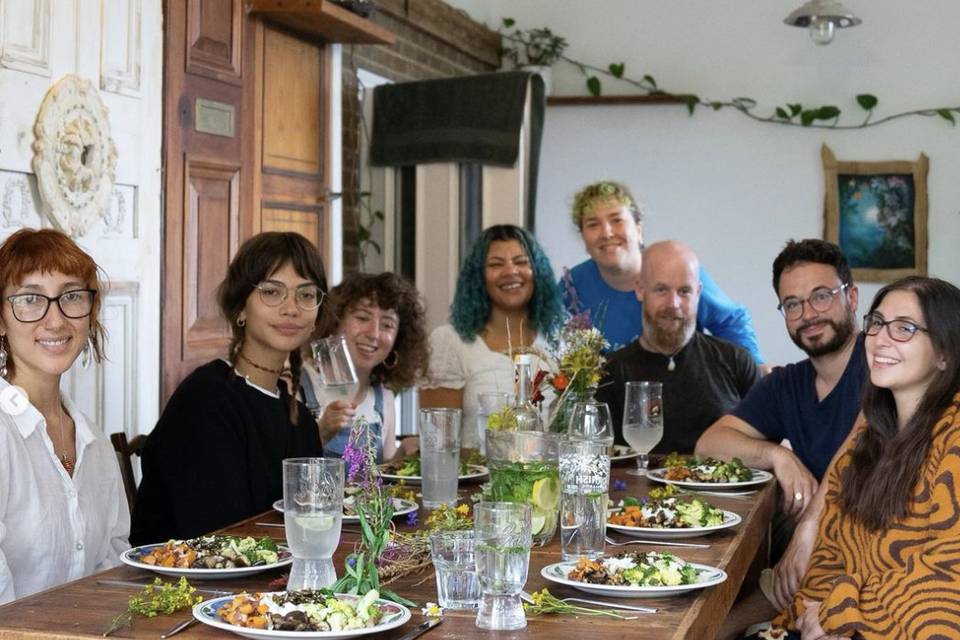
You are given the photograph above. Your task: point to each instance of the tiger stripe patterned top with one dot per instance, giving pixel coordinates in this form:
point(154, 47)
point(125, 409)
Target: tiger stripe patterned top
point(902, 582)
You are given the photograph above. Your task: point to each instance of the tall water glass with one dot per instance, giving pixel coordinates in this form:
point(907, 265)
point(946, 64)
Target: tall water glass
point(454, 559)
point(338, 378)
point(439, 456)
point(312, 511)
point(643, 420)
point(584, 487)
point(489, 402)
point(591, 420)
point(503, 536)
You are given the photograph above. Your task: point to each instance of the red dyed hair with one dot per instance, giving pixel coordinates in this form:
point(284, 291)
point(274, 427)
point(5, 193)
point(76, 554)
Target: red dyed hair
point(46, 251)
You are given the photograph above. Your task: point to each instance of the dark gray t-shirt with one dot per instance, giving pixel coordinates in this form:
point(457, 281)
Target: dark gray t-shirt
point(710, 378)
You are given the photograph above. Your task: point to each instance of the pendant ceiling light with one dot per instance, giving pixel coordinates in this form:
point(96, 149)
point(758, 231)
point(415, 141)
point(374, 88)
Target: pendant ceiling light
point(822, 18)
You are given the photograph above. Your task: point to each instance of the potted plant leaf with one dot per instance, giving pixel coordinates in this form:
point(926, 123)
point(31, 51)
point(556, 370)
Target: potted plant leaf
point(531, 49)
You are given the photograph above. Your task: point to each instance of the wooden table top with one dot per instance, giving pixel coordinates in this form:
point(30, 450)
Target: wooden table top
point(83, 608)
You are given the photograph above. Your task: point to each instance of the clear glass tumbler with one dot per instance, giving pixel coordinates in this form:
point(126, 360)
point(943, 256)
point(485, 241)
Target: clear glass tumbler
point(503, 540)
point(591, 420)
point(489, 402)
point(312, 514)
point(454, 560)
point(584, 486)
point(439, 456)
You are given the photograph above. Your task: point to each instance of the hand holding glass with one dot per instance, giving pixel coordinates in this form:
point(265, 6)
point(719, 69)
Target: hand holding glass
point(643, 420)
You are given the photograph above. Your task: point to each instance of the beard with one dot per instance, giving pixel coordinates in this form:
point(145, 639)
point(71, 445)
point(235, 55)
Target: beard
point(822, 346)
point(668, 330)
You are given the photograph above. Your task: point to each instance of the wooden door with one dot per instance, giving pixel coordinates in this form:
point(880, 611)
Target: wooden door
point(209, 78)
point(292, 131)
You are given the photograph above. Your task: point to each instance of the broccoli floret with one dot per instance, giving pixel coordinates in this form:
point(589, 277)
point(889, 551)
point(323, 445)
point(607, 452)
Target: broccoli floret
point(691, 513)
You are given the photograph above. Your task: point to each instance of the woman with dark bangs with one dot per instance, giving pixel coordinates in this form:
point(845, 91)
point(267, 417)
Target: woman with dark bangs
point(887, 559)
point(215, 455)
point(507, 296)
point(382, 319)
point(63, 510)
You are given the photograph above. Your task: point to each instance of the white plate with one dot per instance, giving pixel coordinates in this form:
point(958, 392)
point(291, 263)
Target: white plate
point(401, 507)
point(130, 557)
point(206, 612)
point(759, 477)
point(730, 519)
point(557, 572)
point(474, 472)
point(622, 452)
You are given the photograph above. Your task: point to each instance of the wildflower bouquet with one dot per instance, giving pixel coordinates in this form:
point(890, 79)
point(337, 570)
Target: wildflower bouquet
point(374, 506)
point(580, 369)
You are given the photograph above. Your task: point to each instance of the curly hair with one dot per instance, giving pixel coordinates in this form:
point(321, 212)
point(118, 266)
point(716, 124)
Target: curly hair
point(471, 302)
point(587, 198)
point(811, 250)
point(388, 291)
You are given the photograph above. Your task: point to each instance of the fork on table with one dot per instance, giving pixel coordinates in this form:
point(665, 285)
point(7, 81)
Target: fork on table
point(665, 543)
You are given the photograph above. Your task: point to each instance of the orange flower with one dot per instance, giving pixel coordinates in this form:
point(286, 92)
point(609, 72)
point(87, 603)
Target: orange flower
point(560, 381)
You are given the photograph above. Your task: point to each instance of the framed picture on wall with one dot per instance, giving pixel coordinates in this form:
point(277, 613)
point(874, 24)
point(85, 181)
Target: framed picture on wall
point(877, 213)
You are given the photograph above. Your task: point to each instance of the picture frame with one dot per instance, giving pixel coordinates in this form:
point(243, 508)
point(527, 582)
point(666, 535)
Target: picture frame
point(876, 212)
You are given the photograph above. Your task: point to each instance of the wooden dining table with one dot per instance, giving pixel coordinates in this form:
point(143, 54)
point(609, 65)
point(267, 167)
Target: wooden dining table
point(85, 608)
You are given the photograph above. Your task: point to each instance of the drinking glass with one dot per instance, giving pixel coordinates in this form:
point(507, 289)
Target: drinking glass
point(584, 487)
point(439, 456)
point(338, 378)
point(643, 420)
point(591, 420)
point(503, 540)
point(489, 402)
point(452, 553)
point(312, 512)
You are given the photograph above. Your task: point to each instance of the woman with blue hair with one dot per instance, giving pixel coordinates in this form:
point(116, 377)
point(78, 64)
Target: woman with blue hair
point(507, 301)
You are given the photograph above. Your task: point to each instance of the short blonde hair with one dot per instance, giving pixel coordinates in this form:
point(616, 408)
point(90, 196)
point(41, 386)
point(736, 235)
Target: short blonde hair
point(601, 191)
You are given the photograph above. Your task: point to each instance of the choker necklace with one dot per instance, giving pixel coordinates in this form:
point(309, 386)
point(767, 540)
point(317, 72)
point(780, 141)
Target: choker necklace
point(275, 372)
point(68, 464)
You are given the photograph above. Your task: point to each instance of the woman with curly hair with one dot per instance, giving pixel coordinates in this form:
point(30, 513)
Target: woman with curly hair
point(382, 319)
point(507, 300)
point(215, 455)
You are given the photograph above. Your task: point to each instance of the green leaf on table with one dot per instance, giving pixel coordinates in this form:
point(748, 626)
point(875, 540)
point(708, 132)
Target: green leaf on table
point(593, 85)
point(946, 115)
point(616, 69)
point(867, 101)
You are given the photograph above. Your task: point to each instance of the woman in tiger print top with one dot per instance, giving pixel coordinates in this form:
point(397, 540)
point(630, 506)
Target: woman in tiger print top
point(887, 559)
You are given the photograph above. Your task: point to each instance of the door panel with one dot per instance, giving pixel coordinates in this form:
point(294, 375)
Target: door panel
point(305, 221)
point(214, 42)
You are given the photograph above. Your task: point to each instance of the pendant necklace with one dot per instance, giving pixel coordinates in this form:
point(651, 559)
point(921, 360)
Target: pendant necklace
point(671, 365)
point(68, 464)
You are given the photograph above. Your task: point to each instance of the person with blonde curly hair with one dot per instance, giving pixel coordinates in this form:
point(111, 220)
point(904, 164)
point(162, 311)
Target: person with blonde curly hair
point(383, 320)
point(610, 220)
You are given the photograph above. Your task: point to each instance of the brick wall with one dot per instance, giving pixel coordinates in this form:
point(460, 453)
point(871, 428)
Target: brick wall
point(433, 41)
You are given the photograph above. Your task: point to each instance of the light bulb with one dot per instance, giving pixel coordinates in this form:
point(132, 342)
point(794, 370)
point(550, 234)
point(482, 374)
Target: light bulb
point(821, 30)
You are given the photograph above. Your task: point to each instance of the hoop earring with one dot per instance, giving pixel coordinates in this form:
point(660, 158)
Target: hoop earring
point(396, 359)
point(85, 353)
point(3, 356)
point(241, 322)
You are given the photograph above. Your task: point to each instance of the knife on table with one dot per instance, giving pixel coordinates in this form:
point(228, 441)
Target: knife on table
point(141, 585)
point(420, 630)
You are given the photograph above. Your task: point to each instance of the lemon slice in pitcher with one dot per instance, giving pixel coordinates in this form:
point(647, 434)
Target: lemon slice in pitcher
point(318, 522)
point(546, 494)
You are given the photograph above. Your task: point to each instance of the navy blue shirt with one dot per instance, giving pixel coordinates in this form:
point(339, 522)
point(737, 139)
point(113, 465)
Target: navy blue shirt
point(784, 405)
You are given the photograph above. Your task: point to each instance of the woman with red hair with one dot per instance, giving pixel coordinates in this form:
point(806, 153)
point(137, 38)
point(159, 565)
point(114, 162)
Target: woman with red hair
point(63, 510)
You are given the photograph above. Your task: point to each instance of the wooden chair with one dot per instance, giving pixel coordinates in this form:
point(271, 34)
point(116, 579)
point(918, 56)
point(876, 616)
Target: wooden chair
point(125, 450)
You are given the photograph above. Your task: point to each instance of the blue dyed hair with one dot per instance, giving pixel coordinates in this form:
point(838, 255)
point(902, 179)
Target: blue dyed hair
point(471, 302)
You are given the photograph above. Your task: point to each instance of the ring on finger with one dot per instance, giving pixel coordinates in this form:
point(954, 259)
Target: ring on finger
point(798, 496)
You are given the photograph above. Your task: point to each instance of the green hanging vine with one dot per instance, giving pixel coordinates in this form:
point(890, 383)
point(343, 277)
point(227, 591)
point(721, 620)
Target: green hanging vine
point(521, 42)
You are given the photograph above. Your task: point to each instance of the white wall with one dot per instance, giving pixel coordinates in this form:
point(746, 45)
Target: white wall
point(733, 189)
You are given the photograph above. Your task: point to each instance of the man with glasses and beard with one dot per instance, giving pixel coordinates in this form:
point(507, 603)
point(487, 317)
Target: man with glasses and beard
point(703, 377)
point(812, 403)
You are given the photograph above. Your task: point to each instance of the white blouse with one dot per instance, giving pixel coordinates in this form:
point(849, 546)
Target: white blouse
point(54, 528)
point(473, 367)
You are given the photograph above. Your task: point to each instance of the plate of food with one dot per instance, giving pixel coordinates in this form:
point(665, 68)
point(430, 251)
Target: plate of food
point(694, 472)
point(669, 515)
point(302, 614)
point(409, 471)
point(650, 574)
point(621, 452)
point(401, 507)
point(210, 557)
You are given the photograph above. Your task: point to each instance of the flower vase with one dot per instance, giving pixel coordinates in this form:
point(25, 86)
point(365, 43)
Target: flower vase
point(562, 408)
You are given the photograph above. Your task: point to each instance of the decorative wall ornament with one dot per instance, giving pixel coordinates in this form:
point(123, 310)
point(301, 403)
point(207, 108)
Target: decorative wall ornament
point(74, 156)
point(10, 215)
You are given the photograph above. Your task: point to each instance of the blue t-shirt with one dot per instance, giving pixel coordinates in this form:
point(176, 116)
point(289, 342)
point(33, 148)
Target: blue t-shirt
point(784, 405)
point(619, 315)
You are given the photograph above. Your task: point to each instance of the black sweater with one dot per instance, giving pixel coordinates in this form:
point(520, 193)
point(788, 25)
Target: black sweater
point(215, 456)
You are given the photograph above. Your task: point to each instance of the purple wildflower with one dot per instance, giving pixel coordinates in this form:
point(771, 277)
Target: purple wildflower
point(412, 518)
point(352, 561)
point(619, 485)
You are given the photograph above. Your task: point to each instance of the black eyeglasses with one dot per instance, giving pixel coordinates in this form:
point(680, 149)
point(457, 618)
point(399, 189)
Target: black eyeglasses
point(819, 300)
point(307, 296)
point(33, 307)
point(898, 330)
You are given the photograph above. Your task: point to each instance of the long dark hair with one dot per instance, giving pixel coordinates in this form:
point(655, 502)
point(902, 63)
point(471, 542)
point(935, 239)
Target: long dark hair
point(257, 259)
point(887, 462)
point(411, 352)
